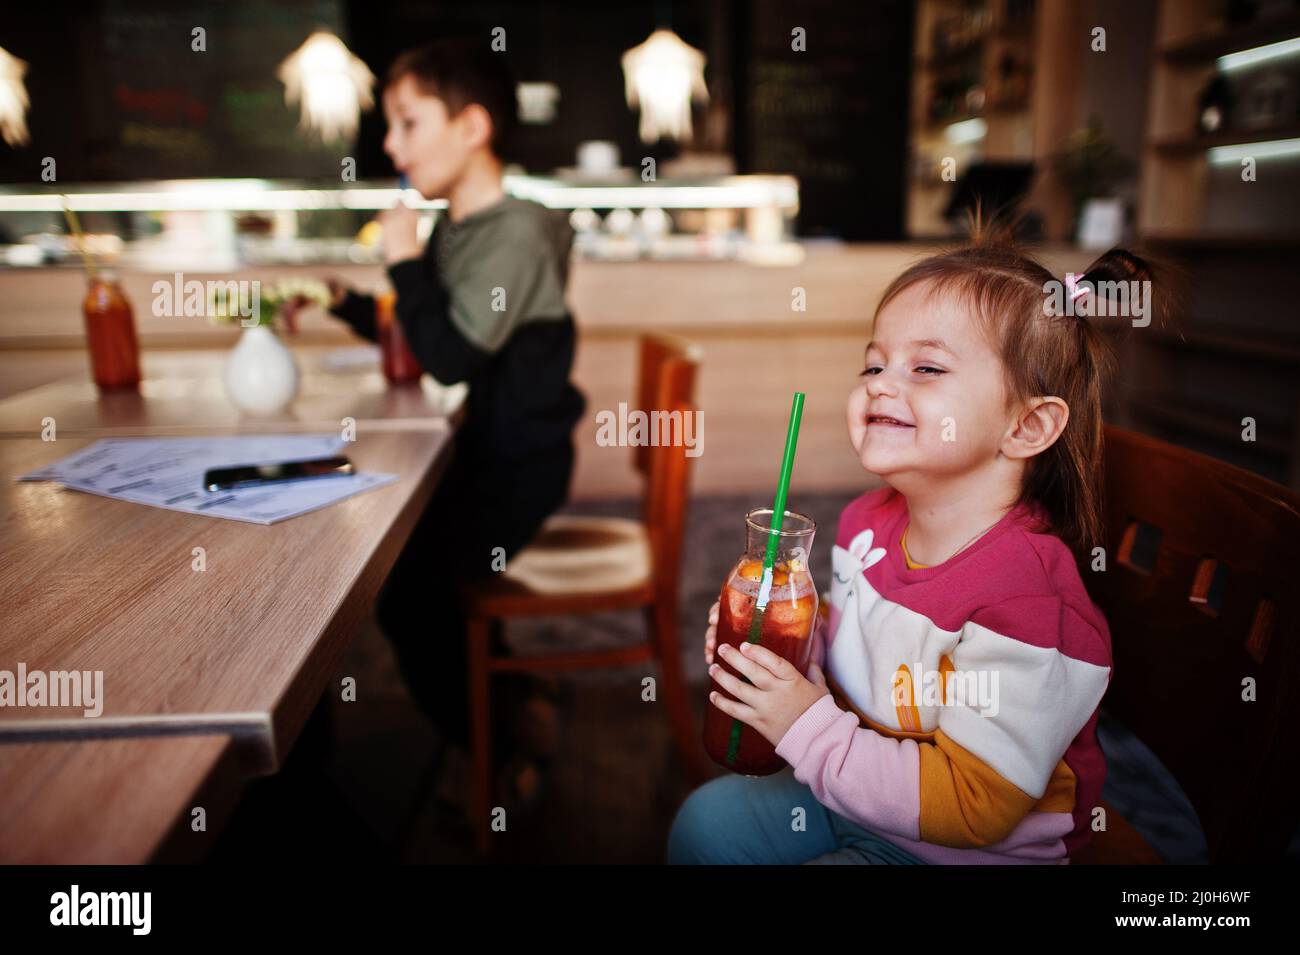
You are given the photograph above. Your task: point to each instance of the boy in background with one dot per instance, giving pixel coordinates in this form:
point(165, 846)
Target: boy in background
point(482, 302)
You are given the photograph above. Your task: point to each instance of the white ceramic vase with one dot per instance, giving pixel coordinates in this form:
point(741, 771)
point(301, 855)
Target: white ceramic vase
point(260, 374)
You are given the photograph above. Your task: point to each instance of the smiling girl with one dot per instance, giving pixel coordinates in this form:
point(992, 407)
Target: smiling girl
point(950, 712)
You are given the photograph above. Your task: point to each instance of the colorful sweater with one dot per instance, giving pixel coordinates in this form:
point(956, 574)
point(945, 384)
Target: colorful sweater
point(962, 720)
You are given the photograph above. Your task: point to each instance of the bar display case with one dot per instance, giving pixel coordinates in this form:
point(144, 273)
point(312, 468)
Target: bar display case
point(229, 224)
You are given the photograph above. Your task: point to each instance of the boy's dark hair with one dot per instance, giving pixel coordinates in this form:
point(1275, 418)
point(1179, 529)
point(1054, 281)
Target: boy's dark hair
point(461, 72)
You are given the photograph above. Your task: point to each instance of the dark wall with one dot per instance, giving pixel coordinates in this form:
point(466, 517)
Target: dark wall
point(117, 93)
point(574, 44)
point(834, 114)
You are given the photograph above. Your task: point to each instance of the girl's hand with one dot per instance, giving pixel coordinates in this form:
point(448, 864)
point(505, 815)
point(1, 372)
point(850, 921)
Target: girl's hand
point(400, 239)
point(711, 635)
point(776, 694)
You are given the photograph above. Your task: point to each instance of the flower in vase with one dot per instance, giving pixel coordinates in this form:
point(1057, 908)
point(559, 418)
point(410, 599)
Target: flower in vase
point(260, 303)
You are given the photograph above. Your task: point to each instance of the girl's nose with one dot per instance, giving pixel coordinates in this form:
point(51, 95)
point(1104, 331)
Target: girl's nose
point(881, 384)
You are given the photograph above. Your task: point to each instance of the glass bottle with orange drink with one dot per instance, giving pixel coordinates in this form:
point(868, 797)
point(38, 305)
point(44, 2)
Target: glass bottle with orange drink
point(786, 629)
point(110, 334)
point(400, 365)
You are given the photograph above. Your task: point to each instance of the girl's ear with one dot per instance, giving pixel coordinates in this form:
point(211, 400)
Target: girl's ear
point(1041, 422)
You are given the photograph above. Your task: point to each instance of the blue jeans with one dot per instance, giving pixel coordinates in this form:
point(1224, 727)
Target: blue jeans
point(752, 821)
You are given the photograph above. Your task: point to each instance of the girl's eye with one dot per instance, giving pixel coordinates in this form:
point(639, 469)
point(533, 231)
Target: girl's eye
point(869, 370)
point(407, 124)
point(929, 369)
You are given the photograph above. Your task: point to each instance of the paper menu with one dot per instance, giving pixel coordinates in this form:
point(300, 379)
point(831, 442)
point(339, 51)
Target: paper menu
point(168, 473)
point(140, 454)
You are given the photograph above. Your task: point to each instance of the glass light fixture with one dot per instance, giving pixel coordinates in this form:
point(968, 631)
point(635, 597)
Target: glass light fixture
point(332, 85)
point(13, 100)
point(663, 75)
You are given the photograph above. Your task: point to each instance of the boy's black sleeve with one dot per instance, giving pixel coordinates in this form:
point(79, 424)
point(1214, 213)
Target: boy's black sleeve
point(424, 309)
point(359, 311)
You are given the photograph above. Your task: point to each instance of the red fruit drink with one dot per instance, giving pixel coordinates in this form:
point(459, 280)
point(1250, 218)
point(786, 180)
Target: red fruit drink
point(399, 363)
point(110, 335)
point(786, 630)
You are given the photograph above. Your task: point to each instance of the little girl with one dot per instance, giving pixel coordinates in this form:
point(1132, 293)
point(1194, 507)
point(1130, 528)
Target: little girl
point(950, 713)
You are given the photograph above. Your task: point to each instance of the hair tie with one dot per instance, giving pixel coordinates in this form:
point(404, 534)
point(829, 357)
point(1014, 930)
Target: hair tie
point(1073, 287)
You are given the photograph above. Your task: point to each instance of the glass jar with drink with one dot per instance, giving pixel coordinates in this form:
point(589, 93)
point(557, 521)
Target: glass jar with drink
point(110, 333)
point(785, 627)
point(400, 364)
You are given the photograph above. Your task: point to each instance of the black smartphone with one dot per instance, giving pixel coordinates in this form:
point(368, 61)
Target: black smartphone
point(252, 475)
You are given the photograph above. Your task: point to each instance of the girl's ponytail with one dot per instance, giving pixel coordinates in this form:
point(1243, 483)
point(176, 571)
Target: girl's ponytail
point(1118, 265)
point(1066, 480)
point(1161, 276)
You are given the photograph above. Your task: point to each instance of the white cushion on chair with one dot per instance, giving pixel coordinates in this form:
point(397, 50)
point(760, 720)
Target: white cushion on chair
point(576, 554)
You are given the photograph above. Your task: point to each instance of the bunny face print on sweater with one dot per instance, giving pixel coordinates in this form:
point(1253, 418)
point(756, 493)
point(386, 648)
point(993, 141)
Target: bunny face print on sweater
point(878, 650)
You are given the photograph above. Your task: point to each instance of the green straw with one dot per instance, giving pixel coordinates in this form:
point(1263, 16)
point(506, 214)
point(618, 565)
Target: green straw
point(769, 555)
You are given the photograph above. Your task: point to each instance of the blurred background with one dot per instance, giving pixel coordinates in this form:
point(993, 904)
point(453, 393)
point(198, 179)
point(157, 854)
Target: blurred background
point(828, 146)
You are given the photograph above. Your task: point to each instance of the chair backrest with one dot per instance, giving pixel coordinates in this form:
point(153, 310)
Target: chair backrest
point(1200, 595)
point(666, 384)
point(658, 386)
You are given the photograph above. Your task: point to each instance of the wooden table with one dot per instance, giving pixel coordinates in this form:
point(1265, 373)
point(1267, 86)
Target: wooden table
point(243, 647)
point(181, 393)
point(208, 675)
point(122, 801)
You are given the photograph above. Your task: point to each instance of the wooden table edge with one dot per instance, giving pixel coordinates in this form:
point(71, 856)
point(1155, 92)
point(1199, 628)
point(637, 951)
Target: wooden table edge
point(265, 738)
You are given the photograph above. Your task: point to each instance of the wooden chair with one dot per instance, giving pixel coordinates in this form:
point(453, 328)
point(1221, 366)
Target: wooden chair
point(1200, 594)
point(580, 565)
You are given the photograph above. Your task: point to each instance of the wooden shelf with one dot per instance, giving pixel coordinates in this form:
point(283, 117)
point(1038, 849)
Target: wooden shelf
point(1238, 261)
point(1179, 191)
point(1211, 46)
point(1046, 68)
point(1190, 145)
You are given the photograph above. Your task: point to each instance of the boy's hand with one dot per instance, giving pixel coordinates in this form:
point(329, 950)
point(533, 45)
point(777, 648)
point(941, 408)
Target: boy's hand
point(711, 634)
point(290, 310)
point(400, 239)
point(776, 694)
point(337, 289)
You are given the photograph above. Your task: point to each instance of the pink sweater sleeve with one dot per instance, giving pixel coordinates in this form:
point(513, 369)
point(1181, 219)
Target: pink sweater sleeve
point(857, 772)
